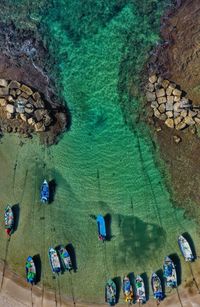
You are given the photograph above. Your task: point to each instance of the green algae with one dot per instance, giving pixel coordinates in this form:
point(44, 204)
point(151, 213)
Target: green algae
point(104, 164)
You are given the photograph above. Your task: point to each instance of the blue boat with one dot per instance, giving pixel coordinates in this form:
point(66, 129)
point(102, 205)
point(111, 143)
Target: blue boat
point(44, 192)
point(157, 288)
point(54, 260)
point(30, 270)
point(101, 227)
point(169, 273)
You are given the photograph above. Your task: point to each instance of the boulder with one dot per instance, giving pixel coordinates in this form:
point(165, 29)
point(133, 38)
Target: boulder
point(160, 92)
point(160, 80)
point(39, 127)
point(184, 103)
point(181, 126)
point(162, 100)
point(10, 99)
point(169, 123)
point(157, 113)
point(24, 88)
point(23, 117)
point(3, 83)
point(154, 104)
point(177, 98)
point(170, 99)
point(152, 79)
point(177, 120)
point(39, 115)
point(13, 93)
point(150, 97)
point(189, 121)
point(169, 91)
point(177, 92)
point(161, 108)
point(10, 108)
point(177, 107)
point(184, 113)
point(150, 87)
point(14, 85)
point(47, 120)
point(18, 91)
point(192, 113)
point(176, 139)
point(169, 106)
point(28, 108)
point(4, 91)
point(197, 120)
point(169, 114)
point(31, 121)
point(36, 96)
point(3, 102)
point(165, 83)
point(163, 117)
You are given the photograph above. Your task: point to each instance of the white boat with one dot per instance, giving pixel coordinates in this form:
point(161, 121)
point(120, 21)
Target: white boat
point(140, 290)
point(185, 249)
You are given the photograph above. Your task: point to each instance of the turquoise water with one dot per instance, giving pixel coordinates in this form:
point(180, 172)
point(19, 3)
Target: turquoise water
point(105, 163)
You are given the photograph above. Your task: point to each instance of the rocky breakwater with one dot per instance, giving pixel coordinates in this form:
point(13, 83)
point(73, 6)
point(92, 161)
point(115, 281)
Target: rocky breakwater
point(24, 110)
point(170, 105)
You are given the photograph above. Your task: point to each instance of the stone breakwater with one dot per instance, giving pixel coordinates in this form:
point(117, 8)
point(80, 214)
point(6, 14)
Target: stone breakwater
point(170, 105)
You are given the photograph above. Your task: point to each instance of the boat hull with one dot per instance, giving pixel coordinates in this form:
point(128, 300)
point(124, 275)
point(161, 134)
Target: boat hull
point(101, 227)
point(9, 220)
point(54, 260)
point(185, 249)
point(157, 287)
point(30, 270)
point(169, 273)
point(65, 258)
point(140, 290)
point(44, 192)
point(110, 292)
point(127, 290)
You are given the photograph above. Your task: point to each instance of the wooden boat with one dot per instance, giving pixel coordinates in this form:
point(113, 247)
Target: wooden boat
point(65, 258)
point(44, 192)
point(9, 220)
point(127, 290)
point(101, 227)
point(54, 260)
point(169, 273)
point(185, 249)
point(110, 292)
point(30, 270)
point(157, 288)
point(140, 290)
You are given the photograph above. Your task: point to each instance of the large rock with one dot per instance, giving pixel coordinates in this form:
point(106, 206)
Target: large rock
point(160, 92)
point(169, 123)
point(39, 115)
point(31, 121)
point(3, 83)
point(177, 98)
point(169, 91)
point(169, 106)
point(10, 108)
point(169, 114)
point(177, 92)
point(165, 83)
point(170, 99)
point(189, 121)
point(177, 120)
point(162, 100)
point(47, 120)
point(4, 91)
point(29, 109)
point(157, 113)
point(152, 78)
point(24, 88)
point(184, 113)
point(161, 108)
point(14, 85)
point(39, 127)
point(3, 102)
point(184, 103)
point(181, 126)
point(150, 87)
point(150, 97)
point(39, 104)
point(23, 117)
point(154, 104)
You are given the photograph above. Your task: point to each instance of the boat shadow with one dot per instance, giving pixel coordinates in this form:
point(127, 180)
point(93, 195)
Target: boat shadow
point(187, 236)
point(160, 275)
point(16, 214)
point(118, 283)
point(146, 284)
point(52, 190)
point(38, 267)
point(108, 220)
point(176, 260)
point(72, 253)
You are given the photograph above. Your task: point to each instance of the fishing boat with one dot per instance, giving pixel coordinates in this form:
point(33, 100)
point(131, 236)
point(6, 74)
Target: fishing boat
point(30, 270)
point(185, 249)
point(127, 290)
point(169, 273)
point(157, 288)
point(110, 292)
point(9, 220)
point(44, 192)
point(101, 227)
point(140, 290)
point(65, 258)
point(54, 260)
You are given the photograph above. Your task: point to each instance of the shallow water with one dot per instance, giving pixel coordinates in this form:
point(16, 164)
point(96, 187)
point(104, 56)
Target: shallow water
point(104, 164)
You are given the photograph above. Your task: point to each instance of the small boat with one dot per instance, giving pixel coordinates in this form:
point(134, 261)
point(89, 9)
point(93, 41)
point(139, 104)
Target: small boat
point(110, 292)
point(101, 227)
point(185, 249)
point(157, 288)
point(30, 270)
point(65, 258)
point(169, 273)
point(140, 290)
point(9, 220)
point(44, 192)
point(127, 290)
point(54, 260)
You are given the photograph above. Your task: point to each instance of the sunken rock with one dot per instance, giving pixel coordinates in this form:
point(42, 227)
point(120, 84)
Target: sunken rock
point(4, 91)
point(3, 83)
point(150, 97)
point(176, 139)
point(26, 90)
point(152, 79)
point(177, 92)
point(160, 92)
point(39, 127)
point(189, 121)
point(10, 108)
point(162, 100)
point(169, 123)
point(14, 85)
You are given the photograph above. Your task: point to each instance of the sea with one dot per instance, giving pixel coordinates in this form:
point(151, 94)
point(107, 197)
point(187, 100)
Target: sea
point(106, 163)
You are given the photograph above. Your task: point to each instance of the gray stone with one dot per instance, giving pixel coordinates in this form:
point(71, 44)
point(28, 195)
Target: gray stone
point(10, 108)
point(3, 83)
point(160, 80)
point(10, 99)
point(14, 84)
point(197, 120)
point(176, 114)
point(163, 117)
point(170, 99)
point(162, 100)
point(169, 123)
point(160, 93)
point(177, 107)
point(150, 97)
point(47, 120)
point(172, 86)
point(184, 103)
point(152, 78)
point(23, 117)
point(36, 96)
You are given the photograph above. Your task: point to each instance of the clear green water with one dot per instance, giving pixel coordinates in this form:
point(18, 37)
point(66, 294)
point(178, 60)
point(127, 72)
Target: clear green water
point(101, 165)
